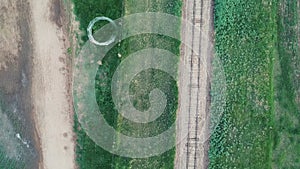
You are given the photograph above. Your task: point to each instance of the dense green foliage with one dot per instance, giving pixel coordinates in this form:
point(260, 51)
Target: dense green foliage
point(246, 35)
point(89, 155)
point(287, 85)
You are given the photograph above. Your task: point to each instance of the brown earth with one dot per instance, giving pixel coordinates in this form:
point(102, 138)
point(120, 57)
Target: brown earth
point(52, 95)
point(35, 86)
point(15, 71)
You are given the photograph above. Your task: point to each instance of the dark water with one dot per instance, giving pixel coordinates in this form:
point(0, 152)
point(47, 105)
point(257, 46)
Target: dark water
point(15, 91)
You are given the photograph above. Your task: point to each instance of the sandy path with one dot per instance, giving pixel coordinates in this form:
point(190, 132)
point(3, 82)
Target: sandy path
point(194, 85)
point(53, 115)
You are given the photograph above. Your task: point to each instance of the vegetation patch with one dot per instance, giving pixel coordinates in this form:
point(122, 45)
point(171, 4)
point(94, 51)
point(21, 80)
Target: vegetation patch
point(246, 37)
point(287, 85)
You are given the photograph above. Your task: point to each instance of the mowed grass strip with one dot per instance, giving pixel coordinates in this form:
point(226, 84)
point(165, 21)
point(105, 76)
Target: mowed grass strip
point(245, 42)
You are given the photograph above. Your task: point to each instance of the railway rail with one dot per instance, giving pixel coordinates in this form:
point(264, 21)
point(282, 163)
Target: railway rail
point(194, 86)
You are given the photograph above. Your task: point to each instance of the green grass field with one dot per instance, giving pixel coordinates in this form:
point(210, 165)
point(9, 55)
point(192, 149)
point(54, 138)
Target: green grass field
point(246, 37)
point(89, 155)
point(258, 44)
point(287, 85)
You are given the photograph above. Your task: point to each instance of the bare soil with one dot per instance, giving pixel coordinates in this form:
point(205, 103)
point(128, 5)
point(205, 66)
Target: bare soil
point(35, 86)
point(51, 78)
point(15, 71)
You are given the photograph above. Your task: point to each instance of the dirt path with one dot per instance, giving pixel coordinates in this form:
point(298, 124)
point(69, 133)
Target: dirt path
point(194, 85)
point(51, 96)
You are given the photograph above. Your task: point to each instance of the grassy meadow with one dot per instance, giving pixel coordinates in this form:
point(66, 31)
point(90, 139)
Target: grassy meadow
point(245, 42)
point(258, 45)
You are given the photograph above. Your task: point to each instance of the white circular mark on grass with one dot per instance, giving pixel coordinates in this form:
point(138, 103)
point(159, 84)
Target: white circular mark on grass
point(90, 32)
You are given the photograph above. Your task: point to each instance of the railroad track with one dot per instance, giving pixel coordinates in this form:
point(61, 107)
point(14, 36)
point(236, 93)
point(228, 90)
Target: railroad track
point(193, 140)
point(194, 90)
